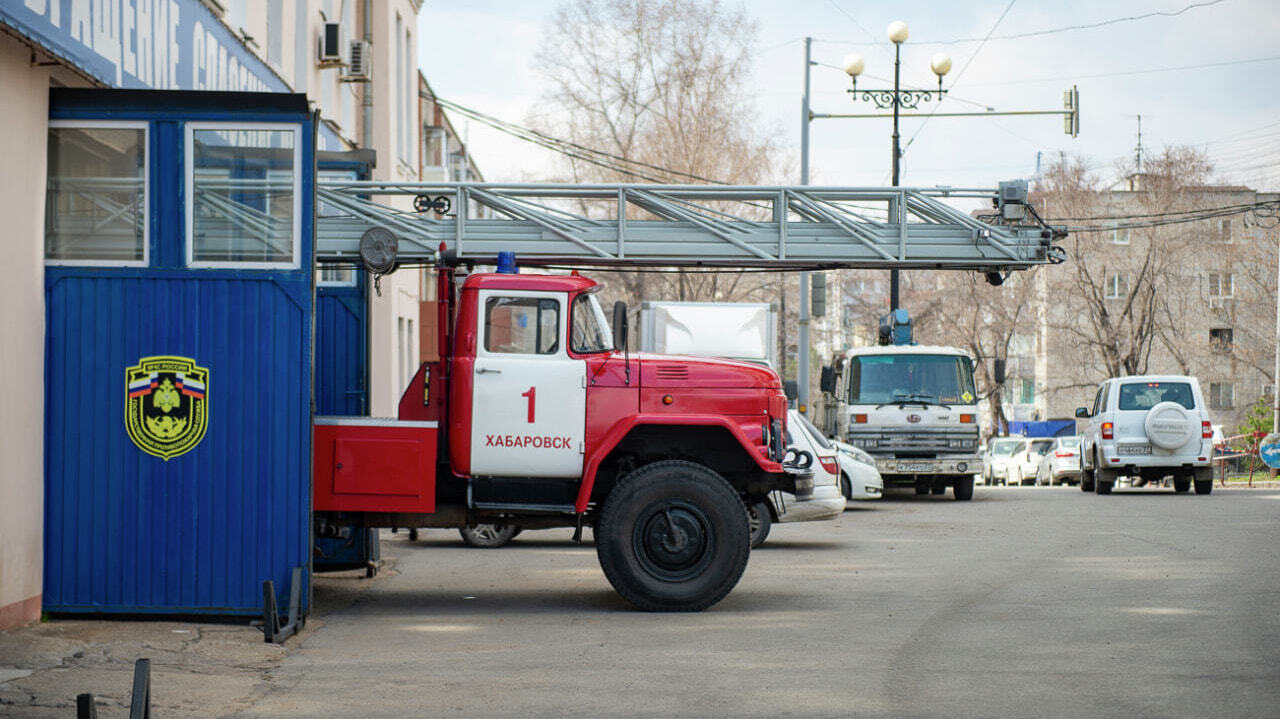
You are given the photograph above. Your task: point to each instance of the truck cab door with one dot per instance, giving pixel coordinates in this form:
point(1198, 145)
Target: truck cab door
point(842, 405)
point(528, 412)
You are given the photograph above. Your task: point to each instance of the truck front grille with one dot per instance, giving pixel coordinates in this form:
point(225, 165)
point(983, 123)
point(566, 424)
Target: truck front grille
point(918, 444)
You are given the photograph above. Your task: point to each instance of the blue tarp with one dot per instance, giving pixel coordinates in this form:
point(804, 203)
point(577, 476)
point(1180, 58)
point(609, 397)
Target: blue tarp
point(1047, 428)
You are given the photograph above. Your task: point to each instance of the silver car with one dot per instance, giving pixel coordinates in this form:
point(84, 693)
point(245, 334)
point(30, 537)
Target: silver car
point(1000, 451)
point(1061, 464)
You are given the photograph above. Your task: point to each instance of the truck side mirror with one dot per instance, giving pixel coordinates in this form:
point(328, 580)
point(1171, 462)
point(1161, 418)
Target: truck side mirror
point(620, 325)
point(997, 372)
point(1082, 412)
point(828, 382)
point(791, 389)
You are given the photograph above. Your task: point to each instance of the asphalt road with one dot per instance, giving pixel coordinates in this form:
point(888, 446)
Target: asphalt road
point(1025, 602)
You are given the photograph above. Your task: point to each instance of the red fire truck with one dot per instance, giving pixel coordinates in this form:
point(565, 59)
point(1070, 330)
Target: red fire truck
point(528, 410)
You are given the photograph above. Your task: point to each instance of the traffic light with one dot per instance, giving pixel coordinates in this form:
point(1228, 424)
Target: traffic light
point(1071, 120)
point(818, 295)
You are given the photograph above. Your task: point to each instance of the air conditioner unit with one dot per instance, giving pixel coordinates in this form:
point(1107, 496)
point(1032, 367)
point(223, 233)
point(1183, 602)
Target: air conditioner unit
point(331, 45)
point(358, 62)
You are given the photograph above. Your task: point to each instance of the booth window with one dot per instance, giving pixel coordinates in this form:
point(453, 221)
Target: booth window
point(334, 275)
point(96, 197)
point(243, 188)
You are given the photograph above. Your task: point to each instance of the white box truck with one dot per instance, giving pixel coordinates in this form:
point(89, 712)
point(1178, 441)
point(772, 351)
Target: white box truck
point(735, 330)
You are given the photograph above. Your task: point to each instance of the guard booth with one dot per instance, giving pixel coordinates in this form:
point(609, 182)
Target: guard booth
point(178, 381)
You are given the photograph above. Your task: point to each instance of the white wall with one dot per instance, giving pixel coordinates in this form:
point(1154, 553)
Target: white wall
point(24, 116)
point(395, 137)
point(395, 92)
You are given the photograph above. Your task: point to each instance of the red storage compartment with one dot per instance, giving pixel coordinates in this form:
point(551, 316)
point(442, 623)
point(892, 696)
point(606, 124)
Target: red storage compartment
point(374, 465)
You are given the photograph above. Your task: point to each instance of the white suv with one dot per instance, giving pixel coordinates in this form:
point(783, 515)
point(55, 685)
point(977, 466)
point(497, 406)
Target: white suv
point(1149, 427)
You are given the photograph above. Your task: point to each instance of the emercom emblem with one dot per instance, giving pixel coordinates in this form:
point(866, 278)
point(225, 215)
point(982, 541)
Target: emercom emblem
point(166, 405)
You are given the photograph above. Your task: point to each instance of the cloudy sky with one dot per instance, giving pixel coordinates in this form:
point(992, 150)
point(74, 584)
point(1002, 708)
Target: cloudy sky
point(1202, 73)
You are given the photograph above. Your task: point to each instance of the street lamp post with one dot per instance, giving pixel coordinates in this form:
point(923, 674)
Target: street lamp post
point(896, 98)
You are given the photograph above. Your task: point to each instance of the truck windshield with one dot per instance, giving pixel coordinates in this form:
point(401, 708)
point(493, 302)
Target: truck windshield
point(889, 379)
point(591, 331)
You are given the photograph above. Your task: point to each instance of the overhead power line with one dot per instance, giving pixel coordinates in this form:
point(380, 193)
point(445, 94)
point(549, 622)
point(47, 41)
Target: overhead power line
point(1125, 73)
point(960, 74)
point(623, 165)
point(1199, 216)
point(1047, 31)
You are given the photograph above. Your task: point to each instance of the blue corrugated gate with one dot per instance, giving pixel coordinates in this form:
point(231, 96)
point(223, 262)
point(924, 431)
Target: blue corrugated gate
point(178, 371)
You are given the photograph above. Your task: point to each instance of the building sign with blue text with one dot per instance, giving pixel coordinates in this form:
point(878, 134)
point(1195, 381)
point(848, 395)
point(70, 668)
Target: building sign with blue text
point(146, 44)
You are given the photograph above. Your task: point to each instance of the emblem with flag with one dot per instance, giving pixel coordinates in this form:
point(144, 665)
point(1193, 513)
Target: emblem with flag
point(166, 404)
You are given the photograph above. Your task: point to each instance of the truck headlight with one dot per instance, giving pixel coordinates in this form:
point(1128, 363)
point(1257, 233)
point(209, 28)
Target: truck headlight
point(862, 457)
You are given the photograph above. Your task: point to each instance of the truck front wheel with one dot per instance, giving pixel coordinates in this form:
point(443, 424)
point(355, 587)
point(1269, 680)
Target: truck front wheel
point(963, 488)
point(673, 537)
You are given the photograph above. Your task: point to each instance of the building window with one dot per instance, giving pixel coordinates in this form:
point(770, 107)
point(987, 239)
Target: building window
point(275, 32)
point(96, 194)
point(1222, 285)
point(408, 368)
point(436, 147)
point(1117, 287)
point(1120, 235)
point(1024, 391)
point(458, 167)
point(1223, 233)
point(403, 91)
point(1220, 340)
point(1221, 395)
point(407, 123)
point(243, 195)
point(336, 276)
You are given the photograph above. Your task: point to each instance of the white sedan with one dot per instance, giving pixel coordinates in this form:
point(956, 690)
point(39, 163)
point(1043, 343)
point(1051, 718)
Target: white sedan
point(859, 478)
point(826, 501)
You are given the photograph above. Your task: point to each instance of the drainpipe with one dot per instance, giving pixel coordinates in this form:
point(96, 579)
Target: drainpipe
point(366, 102)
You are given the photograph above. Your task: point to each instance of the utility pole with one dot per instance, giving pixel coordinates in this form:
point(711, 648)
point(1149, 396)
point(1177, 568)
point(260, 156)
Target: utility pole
point(802, 350)
point(1138, 160)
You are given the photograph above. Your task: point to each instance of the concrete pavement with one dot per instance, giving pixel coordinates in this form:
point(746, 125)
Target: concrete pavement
point(1023, 602)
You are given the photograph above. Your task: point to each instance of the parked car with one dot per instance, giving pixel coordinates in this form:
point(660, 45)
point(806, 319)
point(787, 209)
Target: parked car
point(1024, 462)
point(826, 502)
point(859, 478)
point(996, 461)
point(1061, 464)
point(1147, 428)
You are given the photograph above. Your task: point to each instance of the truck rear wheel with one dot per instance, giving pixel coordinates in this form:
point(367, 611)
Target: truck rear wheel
point(488, 535)
point(759, 522)
point(673, 537)
point(963, 488)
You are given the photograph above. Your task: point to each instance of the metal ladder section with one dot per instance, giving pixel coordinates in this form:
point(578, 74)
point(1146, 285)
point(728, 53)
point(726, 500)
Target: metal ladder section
point(680, 225)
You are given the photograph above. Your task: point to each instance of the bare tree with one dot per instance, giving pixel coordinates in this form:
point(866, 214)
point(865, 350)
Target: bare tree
point(664, 83)
point(1120, 296)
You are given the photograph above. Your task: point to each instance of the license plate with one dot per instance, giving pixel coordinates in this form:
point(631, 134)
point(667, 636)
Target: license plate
point(914, 467)
point(1134, 449)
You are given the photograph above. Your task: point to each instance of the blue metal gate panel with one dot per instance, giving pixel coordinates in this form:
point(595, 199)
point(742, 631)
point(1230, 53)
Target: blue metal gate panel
point(340, 350)
point(128, 532)
point(201, 531)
